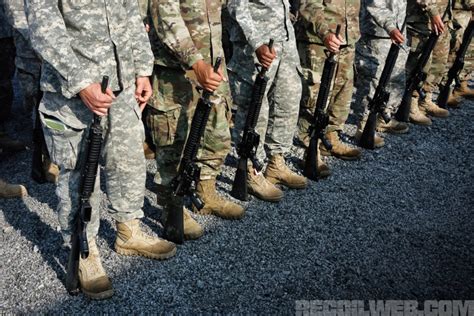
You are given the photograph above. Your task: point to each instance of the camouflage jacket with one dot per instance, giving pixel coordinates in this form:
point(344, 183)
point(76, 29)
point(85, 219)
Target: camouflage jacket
point(420, 11)
point(463, 4)
point(380, 17)
point(5, 27)
point(82, 40)
point(320, 17)
point(259, 20)
point(185, 31)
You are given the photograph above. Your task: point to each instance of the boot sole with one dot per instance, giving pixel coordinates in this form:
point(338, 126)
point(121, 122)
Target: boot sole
point(98, 296)
point(421, 123)
point(210, 212)
point(296, 187)
point(393, 131)
point(267, 199)
point(349, 158)
point(133, 252)
point(193, 236)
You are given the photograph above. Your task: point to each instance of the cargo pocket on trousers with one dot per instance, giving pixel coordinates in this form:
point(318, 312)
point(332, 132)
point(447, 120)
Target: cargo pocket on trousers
point(163, 125)
point(63, 142)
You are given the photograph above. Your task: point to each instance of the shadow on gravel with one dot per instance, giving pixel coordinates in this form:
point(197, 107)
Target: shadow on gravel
point(30, 226)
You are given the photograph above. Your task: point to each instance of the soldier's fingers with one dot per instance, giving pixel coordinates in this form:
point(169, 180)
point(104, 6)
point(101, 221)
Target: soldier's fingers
point(110, 93)
point(221, 74)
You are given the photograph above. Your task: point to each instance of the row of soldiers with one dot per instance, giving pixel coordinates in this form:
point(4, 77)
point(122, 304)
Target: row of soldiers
point(159, 55)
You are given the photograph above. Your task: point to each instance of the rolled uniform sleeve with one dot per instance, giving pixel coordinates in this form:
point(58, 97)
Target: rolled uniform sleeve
point(382, 15)
point(142, 54)
point(174, 34)
point(51, 41)
point(239, 10)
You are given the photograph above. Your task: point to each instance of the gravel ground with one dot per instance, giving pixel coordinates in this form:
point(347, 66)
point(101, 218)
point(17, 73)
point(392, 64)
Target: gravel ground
point(396, 225)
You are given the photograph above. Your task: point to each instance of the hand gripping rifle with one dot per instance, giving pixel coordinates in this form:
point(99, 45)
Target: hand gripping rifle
point(184, 184)
point(458, 65)
point(378, 103)
point(320, 118)
point(79, 242)
point(247, 148)
point(417, 76)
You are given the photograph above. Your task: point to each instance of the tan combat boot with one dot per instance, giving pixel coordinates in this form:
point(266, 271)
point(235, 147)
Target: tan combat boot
point(323, 168)
point(454, 100)
point(170, 203)
point(92, 277)
point(51, 171)
point(339, 149)
point(215, 204)
point(428, 107)
point(12, 190)
point(392, 127)
point(416, 117)
point(132, 241)
point(261, 188)
point(277, 172)
point(378, 140)
point(464, 91)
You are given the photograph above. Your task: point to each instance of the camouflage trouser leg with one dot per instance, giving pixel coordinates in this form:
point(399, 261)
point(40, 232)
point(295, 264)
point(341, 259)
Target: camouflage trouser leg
point(7, 70)
point(461, 20)
point(438, 69)
point(371, 55)
point(416, 41)
point(279, 111)
point(312, 60)
point(122, 152)
point(169, 118)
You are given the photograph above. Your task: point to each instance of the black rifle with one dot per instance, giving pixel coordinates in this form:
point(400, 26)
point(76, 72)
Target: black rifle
point(417, 76)
point(184, 184)
point(39, 147)
point(458, 65)
point(79, 242)
point(378, 103)
point(320, 118)
point(247, 148)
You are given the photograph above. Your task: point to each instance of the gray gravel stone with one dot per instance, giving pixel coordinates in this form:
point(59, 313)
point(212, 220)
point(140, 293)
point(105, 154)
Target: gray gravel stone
point(396, 224)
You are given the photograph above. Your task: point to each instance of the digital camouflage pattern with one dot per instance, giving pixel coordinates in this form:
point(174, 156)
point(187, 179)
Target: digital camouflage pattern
point(320, 17)
point(28, 64)
point(317, 18)
point(80, 41)
point(98, 37)
point(183, 33)
point(378, 18)
point(252, 25)
point(420, 12)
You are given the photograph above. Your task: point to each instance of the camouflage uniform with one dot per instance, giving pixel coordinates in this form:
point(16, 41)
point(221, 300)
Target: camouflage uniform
point(27, 62)
point(419, 28)
point(7, 65)
point(378, 19)
point(181, 34)
point(461, 16)
point(253, 24)
point(317, 19)
point(79, 42)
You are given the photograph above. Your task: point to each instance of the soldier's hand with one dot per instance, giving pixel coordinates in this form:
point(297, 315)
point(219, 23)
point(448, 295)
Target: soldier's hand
point(206, 76)
point(265, 55)
point(397, 36)
point(143, 91)
point(333, 42)
point(95, 100)
point(437, 24)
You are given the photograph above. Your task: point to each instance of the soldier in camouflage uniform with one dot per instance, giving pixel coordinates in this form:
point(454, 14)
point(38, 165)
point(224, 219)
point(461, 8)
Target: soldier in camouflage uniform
point(381, 23)
point(253, 24)
point(7, 70)
point(28, 66)
point(186, 40)
point(462, 14)
point(315, 34)
point(422, 17)
point(79, 42)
